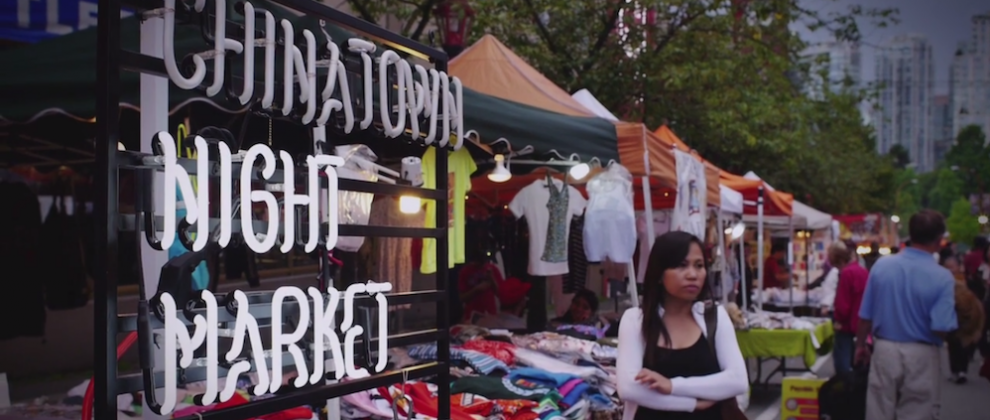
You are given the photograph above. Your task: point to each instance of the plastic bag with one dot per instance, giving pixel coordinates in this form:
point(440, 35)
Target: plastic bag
point(354, 208)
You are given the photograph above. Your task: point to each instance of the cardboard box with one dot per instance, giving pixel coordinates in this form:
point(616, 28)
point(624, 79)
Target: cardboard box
point(799, 398)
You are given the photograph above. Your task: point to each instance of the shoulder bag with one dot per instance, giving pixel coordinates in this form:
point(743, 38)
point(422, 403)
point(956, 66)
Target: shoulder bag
point(730, 407)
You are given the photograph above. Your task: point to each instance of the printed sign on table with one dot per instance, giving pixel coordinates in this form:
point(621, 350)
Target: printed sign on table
point(799, 398)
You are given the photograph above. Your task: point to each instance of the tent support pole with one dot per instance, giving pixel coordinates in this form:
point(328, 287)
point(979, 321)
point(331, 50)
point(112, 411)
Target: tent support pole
point(648, 215)
point(721, 252)
point(154, 118)
point(744, 286)
point(759, 248)
point(106, 209)
point(790, 261)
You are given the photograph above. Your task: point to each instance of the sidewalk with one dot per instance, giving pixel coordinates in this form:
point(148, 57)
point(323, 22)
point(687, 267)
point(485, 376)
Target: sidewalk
point(970, 401)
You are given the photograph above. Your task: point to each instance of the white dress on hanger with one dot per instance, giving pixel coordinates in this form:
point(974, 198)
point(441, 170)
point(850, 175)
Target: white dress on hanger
point(609, 220)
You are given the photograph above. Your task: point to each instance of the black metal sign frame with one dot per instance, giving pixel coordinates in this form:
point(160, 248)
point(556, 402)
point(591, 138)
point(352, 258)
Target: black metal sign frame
point(111, 59)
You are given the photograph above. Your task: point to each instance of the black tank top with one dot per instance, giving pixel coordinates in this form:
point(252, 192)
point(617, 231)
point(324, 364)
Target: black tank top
point(697, 360)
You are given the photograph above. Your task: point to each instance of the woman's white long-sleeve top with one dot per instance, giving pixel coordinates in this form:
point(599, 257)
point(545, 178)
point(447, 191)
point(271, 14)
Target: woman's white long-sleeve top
point(730, 382)
point(829, 286)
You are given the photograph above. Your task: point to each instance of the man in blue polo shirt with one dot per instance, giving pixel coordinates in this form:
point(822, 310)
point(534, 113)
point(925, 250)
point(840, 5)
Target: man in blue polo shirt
point(908, 307)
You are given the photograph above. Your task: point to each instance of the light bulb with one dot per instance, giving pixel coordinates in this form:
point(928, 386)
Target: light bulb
point(738, 230)
point(580, 170)
point(982, 219)
point(409, 205)
point(895, 218)
point(500, 173)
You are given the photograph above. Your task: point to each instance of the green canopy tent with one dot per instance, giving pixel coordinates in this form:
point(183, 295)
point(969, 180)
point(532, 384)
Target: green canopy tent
point(58, 77)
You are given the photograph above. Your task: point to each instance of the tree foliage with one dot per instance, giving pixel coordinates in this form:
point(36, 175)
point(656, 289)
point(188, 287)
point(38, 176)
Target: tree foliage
point(963, 226)
point(726, 75)
point(899, 156)
point(947, 189)
point(970, 157)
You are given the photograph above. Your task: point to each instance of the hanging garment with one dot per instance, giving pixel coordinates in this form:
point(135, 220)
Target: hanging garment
point(661, 225)
point(22, 301)
point(555, 249)
point(66, 285)
point(577, 262)
point(239, 260)
point(689, 208)
point(548, 233)
point(391, 259)
point(610, 222)
point(354, 208)
point(460, 166)
point(201, 275)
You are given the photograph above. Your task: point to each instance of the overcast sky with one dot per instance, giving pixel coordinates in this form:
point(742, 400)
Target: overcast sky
point(944, 22)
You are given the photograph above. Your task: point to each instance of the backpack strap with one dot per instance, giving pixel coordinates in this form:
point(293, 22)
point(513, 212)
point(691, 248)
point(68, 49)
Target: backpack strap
point(711, 326)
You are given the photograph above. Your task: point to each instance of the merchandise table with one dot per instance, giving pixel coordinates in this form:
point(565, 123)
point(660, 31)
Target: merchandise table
point(762, 344)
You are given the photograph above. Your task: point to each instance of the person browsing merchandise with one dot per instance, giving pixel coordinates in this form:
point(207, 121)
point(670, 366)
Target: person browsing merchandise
point(838, 256)
point(909, 308)
point(665, 366)
point(974, 259)
point(848, 299)
point(478, 283)
point(774, 275)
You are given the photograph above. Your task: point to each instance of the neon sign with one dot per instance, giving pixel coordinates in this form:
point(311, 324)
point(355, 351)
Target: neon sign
point(197, 200)
point(421, 92)
point(314, 310)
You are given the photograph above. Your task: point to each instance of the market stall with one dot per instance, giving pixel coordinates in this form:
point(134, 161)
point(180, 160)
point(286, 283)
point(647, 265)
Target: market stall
point(490, 67)
point(777, 336)
point(521, 376)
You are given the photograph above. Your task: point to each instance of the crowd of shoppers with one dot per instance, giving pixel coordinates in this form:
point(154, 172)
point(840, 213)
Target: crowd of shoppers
point(912, 304)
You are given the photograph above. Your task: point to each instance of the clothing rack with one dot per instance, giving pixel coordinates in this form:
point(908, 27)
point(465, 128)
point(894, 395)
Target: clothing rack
point(111, 59)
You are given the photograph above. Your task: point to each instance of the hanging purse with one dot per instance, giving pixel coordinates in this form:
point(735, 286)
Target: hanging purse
point(730, 407)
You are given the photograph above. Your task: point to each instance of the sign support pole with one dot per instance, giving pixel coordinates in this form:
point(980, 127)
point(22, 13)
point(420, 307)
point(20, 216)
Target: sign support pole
point(154, 117)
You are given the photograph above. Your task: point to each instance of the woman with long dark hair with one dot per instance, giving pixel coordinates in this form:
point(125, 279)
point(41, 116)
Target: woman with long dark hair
point(666, 366)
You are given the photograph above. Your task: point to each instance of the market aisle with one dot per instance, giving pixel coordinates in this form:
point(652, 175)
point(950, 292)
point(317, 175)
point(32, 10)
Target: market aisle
point(970, 401)
point(959, 402)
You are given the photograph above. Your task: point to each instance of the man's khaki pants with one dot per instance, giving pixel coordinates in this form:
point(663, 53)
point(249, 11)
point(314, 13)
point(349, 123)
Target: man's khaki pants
point(905, 382)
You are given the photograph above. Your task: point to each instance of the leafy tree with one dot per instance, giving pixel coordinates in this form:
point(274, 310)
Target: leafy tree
point(970, 157)
point(726, 75)
point(899, 155)
point(947, 189)
point(963, 226)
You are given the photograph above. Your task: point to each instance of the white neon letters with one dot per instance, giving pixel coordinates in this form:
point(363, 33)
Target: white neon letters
point(197, 200)
point(413, 99)
point(312, 307)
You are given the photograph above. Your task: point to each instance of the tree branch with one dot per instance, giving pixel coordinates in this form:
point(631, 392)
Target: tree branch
point(606, 31)
point(544, 31)
point(672, 30)
point(424, 19)
point(362, 10)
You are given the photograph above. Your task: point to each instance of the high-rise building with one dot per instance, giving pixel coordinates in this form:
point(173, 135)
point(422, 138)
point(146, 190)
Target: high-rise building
point(905, 69)
point(837, 62)
point(970, 78)
point(942, 126)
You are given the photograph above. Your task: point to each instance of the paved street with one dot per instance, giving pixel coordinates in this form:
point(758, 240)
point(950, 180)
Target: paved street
point(970, 401)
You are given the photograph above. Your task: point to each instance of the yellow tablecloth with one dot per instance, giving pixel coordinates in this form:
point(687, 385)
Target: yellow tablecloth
point(786, 343)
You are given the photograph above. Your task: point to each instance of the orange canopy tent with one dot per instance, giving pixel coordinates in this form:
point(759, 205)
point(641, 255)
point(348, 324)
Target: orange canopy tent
point(637, 146)
point(775, 203)
point(492, 68)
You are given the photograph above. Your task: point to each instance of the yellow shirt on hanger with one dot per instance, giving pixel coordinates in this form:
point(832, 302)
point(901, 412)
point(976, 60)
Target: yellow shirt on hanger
point(460, 166)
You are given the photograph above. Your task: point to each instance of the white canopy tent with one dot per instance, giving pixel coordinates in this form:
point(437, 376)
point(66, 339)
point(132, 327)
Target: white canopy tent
point(803, 216)
point(732, 200)
point(589, 101)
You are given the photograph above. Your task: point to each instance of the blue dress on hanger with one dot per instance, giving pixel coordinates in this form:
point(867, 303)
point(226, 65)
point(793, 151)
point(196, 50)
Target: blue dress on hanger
point(200, 276)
